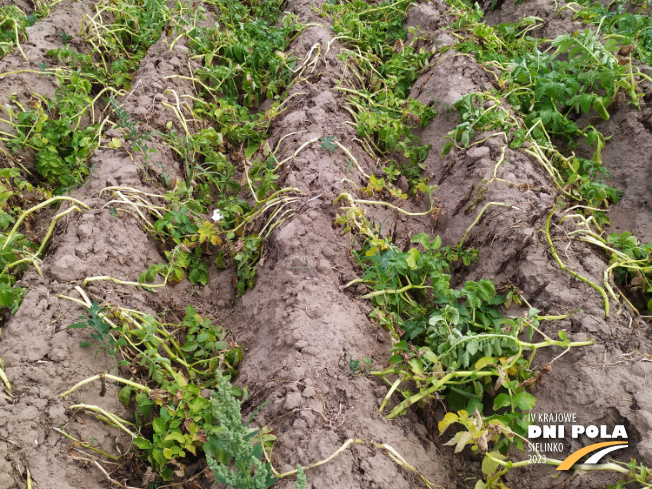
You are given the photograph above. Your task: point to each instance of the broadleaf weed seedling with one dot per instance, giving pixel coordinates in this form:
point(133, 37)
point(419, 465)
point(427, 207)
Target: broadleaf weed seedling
point(65, 38)
point(354, 365)
point(100, 333)
point(328, 144)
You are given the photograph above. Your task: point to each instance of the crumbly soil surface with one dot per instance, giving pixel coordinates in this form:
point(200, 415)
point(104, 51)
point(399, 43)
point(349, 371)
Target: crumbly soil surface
point(298, 327)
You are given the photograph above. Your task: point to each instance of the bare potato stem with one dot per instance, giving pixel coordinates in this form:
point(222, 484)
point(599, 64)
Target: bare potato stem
point(477, 219)
point(107, 417)
point(130, 383)
point(601, 291)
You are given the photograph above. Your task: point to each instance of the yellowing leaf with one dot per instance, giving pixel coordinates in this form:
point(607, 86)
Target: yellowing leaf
point(483, 362)
point(497, 422)
point(176, 436)
point(448, 420)
point(460, 440)
point(115, 143)
point(417, 368)
point(430, 356)
point(373, 251)
point(413, 256)
point(489, 466)
point(506, 361)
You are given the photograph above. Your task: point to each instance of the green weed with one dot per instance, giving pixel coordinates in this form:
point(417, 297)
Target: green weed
point(231, 455)
point(100, 333)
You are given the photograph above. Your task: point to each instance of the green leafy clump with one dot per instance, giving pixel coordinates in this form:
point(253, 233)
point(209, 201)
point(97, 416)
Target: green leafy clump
point(581, 73)
point(213, 174)
point(175, 418)
point(243, 56)
point(185, 418)
point(120, 34)
point(501, 43)
point(579, 178)
point(445, 329)
point(632, 29)
point(632, 263)
point(52, 130)
point(388, 124)
point(246, 260)
point(190, 236)
point(243, 62)
point(233, 456)
point(193, 237)
point(12, 253)
point(234, 78)
point(14, 190)
point(546, 87)
point(373, 28)
point(204, 341)
point(475, 117)
point(17, 250)
point(455, 344)
point(584, 71)
point(13, 25)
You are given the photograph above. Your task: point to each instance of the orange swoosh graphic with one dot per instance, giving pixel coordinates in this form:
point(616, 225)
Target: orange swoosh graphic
point(574, 457)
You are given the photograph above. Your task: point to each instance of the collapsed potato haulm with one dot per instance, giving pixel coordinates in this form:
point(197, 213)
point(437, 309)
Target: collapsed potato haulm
point(321, 244)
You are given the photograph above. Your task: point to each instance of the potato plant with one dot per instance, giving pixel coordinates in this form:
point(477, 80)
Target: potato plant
point(64, 131)
point(17, 250)
point(583, 71)
point(176, 368)
point(13, 23)
point(632, 29)
point(233, 80)
point(385, 69)
point(457, 344)
point(119, 36)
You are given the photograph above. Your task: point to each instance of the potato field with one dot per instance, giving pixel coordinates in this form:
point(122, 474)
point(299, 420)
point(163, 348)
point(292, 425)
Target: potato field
point(325, 244)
